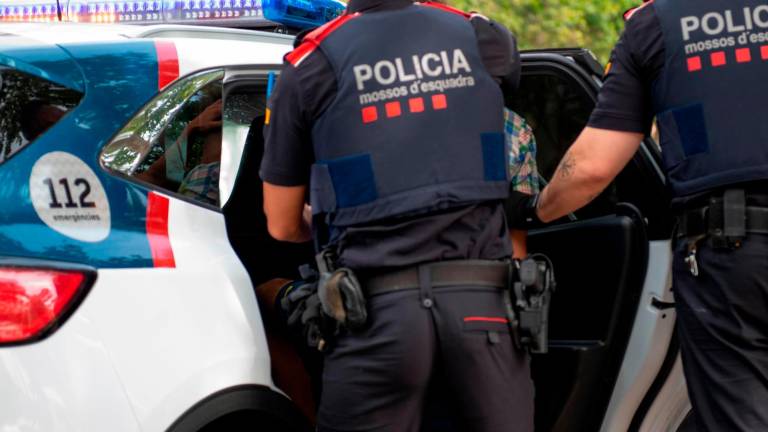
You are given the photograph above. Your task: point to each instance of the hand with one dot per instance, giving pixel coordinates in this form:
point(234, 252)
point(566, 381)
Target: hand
point(209, 119)
point(295, 302)
point(522, 212)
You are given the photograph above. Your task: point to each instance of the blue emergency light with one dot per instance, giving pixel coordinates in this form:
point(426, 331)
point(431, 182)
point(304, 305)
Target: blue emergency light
point(297, 14)
point(302, 13)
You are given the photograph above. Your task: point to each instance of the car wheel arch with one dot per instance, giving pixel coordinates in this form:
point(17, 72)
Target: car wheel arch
point(255, 401)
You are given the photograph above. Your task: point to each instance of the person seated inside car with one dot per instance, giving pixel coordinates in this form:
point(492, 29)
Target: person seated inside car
point(523, 171)
point(192, 164)
point(202, 181)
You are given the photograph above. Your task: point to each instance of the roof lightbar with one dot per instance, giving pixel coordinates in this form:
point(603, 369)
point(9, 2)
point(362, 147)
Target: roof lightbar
point(299, 14)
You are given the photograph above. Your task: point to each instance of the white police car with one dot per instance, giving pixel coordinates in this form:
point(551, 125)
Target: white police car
point(131, 234)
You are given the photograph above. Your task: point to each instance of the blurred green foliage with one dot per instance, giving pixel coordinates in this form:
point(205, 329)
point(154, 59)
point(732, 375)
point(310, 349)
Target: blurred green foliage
point(593, 24)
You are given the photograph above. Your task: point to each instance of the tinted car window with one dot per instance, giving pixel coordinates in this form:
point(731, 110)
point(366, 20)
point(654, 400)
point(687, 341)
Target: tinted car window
point(558, 106)
point(175, 142)
point(28, 107)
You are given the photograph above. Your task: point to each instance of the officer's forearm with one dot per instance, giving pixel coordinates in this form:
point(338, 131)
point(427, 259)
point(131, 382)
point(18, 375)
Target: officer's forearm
point(285, 210)
point(298, 234)
point(573, 188)
point(594, 160)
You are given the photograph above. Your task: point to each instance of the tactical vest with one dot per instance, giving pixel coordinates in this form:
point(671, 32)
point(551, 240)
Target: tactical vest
point(711, 95)
point(417, 124)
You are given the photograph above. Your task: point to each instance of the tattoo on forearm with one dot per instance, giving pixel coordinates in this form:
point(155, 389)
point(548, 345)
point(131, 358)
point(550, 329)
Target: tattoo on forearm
point(567, 166)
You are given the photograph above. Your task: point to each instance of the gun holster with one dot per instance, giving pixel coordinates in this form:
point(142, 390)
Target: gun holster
point(533, 287)
point(341, 295)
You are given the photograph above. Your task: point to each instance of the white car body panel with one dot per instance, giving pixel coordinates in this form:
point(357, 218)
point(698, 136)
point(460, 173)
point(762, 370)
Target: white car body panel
point(66, 382)
point(671, 405)
point(168, 358)
point(63, 33)
point(220, 53)
point(231, 154)
point(137, 354)
point(648, 344)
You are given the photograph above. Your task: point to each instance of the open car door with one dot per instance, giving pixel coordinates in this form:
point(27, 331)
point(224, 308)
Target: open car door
point(611, 323)
point(613, 363)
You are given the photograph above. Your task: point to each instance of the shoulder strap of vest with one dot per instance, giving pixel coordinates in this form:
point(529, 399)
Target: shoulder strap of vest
point(312, 40)
point(446, 8)
point(630, 13)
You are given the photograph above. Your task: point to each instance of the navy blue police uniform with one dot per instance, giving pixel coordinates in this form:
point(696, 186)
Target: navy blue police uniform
point(393, 115)
point(698, 67)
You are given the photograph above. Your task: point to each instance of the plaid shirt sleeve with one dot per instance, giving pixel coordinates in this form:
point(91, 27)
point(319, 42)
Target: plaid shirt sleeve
point(523, 172)
point(202, 183)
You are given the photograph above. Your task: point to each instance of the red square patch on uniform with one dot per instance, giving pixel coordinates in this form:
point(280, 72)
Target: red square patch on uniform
point(439, 102)
point(370, 114)
point(416, 105)
point(718, 58)
point(764, 52)
point(393, 109)
point(743, 55)
point(694, 64)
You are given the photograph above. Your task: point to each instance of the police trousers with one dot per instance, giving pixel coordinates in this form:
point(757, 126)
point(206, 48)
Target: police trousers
point(377, 379)
point(723, 330)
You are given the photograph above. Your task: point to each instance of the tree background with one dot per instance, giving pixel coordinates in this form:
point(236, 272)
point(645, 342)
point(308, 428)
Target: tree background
point(592, 24)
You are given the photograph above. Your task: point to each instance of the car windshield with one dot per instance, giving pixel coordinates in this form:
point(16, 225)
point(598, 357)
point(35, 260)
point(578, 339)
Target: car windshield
point(29, 106)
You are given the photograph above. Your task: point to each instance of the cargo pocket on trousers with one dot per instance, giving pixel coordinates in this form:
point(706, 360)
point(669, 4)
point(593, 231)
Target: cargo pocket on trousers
point(494, 328)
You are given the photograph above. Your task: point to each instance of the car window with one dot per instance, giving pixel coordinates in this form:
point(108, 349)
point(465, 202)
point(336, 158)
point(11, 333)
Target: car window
point(557, 102)
point(174, 143)
point(29, 106)
point(244, 110)
point(557, 106)
point(557, 109)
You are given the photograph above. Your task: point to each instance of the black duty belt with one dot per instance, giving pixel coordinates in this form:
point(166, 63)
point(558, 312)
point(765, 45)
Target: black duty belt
point(718, 219)
point(469, 273)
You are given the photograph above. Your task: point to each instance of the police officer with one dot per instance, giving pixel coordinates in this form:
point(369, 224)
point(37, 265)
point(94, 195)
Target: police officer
point(699, 67)
point(390, 119)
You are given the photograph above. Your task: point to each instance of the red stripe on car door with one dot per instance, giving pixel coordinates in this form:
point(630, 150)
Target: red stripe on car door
point(157, 231)
point(167, 63)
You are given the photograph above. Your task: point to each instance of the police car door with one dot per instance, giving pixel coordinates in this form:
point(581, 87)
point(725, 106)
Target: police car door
point(197, 302)
point(611, 346)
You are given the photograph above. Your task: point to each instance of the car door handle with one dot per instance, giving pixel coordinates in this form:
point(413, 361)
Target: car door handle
point(662, 305)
